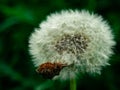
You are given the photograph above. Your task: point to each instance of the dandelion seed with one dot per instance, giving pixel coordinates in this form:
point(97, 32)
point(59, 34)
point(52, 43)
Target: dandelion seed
point(77, 39)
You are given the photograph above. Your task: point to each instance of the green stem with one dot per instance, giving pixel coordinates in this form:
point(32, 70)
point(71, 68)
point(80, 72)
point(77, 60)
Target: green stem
point(72, 84)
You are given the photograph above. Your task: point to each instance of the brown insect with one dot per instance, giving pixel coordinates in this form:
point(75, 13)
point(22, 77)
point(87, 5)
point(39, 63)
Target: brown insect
point(49, 70)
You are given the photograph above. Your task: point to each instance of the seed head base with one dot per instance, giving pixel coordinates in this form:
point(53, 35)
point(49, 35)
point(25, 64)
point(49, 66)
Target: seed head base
point(49, 70)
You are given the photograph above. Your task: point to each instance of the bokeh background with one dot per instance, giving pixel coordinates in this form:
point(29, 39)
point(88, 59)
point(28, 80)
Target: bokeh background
point(18, 18)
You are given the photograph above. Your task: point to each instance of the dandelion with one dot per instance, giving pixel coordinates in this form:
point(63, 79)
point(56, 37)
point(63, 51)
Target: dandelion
point(70, 43)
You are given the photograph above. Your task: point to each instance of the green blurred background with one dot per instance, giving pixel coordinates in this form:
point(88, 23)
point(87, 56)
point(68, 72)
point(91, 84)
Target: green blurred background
point(18, 18)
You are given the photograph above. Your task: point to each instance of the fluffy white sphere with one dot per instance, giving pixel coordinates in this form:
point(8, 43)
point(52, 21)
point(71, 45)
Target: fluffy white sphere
point(81, 40)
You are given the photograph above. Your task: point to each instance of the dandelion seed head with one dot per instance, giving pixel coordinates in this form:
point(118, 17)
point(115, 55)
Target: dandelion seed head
point(78, 39)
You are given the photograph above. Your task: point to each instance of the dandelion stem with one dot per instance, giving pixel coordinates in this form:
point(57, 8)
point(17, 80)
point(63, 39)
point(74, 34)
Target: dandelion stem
point(72, 84)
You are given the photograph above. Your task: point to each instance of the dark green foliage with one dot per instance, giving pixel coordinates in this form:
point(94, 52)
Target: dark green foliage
point(18, 18)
